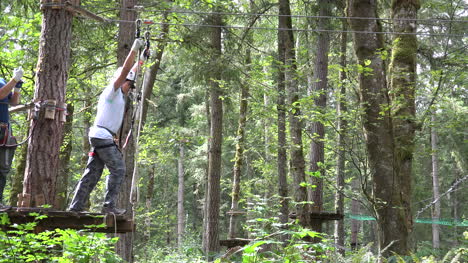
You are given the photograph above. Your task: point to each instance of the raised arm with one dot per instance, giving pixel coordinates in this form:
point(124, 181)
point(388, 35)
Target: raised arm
point(128, 64)
point(5, 90)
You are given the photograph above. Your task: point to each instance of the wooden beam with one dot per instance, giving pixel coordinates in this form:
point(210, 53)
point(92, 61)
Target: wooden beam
point(72, 7)
point(234, 242)
point(79, 10)
point(323, 216)
point(93, 222)
point(21, 107)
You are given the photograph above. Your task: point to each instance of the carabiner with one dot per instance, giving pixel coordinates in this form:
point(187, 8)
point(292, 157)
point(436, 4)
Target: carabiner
point(138, 28)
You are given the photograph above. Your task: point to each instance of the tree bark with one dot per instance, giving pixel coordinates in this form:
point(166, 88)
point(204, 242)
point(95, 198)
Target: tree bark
point(40, 178)
point(435, 187)
point(216, 137)
point(297, 163)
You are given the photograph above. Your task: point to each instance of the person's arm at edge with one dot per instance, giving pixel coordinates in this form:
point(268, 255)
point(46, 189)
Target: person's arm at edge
point(5, 90)
point(127, 66)
point(15, 98)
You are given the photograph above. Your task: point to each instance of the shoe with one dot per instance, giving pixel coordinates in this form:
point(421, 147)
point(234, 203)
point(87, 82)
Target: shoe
point(74, 210)
point(113, 210)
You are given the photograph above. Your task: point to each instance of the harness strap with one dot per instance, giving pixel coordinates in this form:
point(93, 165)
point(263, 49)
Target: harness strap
point(93, 150)
point(105, 146)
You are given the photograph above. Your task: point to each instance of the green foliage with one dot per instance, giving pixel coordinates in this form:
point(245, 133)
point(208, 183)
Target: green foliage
point(189, 252)
point(20, 243)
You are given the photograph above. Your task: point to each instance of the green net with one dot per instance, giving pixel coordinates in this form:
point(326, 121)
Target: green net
point(445, 222)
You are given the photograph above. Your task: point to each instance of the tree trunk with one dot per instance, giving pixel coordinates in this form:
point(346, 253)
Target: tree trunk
point(18, 178)
point(208, 146)
point(239, 156)
point(402, 93)
point(317, 129)
point(435, 187)
point(389, 127)
point(282, 163)
point(86, 125)
point(126, 30)
point(355, 210)
point(40, 178)
point(148, 202)
point(152, 72)
point(238, 159)
point(216, 136)
point(64, 168)
point(342, 128)
point(180, 196)
point(297, 164)
point(124, 246)
point(377, 124)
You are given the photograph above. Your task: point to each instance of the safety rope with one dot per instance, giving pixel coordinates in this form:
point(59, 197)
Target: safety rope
point(137, 98)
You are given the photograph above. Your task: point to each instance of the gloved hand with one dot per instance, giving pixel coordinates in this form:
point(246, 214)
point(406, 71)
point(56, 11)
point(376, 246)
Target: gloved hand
point(18, 86)
point(137, 44)
point(145, 54)
point(18, 73)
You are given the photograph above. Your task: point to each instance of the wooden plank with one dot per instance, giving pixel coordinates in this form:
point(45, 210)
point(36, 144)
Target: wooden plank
point(324, 216)
point(93, 222)
point(234, 242)
point(76, 9)
point(22, 107)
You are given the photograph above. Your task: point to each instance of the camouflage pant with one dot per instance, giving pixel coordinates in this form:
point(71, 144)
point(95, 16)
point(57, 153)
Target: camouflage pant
point(6, 157)
point(108, 156)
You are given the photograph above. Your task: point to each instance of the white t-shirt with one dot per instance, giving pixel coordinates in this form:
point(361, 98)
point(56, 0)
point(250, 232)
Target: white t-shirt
point(110, 111)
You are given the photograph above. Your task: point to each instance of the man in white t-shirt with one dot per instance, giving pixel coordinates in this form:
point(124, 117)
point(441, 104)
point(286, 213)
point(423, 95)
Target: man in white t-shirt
point(105, 152)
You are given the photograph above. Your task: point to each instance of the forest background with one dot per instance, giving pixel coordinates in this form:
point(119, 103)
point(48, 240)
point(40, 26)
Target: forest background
point(172, 156)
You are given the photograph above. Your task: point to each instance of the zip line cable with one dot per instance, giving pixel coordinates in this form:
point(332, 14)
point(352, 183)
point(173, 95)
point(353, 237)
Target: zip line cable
point(295, 29)
point(142, 9)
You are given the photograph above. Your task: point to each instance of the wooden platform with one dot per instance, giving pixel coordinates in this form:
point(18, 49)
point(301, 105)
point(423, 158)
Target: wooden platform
point(322, 216)
point(234, 242)
point(93, 222)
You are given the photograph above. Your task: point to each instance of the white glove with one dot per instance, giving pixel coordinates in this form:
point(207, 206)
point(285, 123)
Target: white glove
point(137, 44)
point(18, 74)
